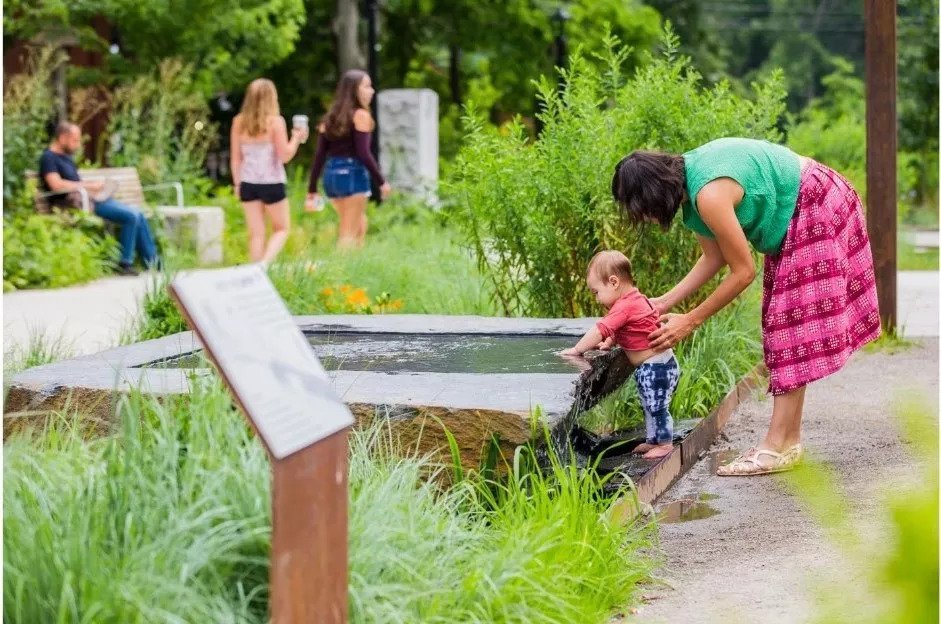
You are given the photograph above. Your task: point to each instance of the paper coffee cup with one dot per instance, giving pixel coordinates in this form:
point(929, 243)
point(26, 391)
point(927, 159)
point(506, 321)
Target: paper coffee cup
point(300, 121)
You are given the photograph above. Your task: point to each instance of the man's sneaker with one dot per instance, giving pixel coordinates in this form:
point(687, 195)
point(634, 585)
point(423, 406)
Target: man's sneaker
point(127, 269)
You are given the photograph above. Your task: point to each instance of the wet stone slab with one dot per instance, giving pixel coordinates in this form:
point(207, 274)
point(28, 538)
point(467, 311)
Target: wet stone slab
point(478, 377)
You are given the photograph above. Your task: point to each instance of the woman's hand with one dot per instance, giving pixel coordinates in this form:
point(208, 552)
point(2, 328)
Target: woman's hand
point(660, 304)
point(313, 203)
point(299, 134)
point(385, 190)
point(673, 328)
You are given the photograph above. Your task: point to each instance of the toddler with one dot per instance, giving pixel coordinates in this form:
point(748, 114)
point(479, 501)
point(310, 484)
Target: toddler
point(630, 319)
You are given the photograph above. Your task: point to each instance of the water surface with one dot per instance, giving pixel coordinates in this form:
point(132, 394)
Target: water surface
point(429, 353)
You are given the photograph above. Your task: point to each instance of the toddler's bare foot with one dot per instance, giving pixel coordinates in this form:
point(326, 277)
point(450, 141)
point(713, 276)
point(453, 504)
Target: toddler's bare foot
point(643, 447)
point(660, 450)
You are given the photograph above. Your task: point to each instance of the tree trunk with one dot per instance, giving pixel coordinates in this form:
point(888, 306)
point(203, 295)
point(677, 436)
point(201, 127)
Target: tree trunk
point(350, 54)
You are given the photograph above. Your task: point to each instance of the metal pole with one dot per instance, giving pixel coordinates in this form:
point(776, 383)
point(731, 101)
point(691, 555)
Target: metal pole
point(454, 73)
point(881, 145)
point(560, 58)
point(372, 43)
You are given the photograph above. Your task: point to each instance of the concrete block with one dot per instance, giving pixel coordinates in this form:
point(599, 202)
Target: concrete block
point(199, 228)
point(408, 140)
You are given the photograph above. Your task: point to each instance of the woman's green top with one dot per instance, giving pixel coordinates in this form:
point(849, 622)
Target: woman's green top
point(770, 176)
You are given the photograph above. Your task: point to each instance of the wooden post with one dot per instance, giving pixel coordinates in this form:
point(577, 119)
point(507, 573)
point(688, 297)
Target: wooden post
point(309, 534)
point(881, 140)
point(281, 388)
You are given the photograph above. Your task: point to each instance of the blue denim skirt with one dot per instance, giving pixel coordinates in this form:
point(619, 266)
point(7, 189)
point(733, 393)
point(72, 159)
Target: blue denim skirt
point(343, 177)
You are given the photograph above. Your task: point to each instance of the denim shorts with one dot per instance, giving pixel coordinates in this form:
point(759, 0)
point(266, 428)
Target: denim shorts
point(343, 177)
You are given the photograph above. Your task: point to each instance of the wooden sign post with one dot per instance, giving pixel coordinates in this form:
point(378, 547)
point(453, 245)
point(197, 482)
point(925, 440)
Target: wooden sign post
point(881, 146)
point(284, 392)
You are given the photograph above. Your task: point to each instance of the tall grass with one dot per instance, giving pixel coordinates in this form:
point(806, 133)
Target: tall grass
point(712, 360)
point(168, 520)
point(41, 347)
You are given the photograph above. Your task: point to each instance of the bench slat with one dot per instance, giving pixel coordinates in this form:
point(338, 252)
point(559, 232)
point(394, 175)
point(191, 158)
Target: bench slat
point(128, 188)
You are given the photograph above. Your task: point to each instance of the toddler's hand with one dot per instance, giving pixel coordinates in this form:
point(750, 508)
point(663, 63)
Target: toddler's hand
point(606, 344)
point(576, 358)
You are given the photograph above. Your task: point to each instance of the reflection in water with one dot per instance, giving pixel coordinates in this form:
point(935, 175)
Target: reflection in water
point(687, 509)
point(431, 353)
point(720, 458)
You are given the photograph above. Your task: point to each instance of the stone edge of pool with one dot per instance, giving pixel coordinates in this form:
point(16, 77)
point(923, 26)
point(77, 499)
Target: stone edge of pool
point(472, 406)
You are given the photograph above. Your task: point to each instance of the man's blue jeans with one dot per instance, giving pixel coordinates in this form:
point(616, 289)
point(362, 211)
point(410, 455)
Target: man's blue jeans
point(135, 231)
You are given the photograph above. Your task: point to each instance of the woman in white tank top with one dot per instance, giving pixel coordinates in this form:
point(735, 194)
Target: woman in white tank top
point(259, 148)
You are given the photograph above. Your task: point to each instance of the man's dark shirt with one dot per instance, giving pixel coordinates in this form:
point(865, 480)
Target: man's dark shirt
point(51, 162)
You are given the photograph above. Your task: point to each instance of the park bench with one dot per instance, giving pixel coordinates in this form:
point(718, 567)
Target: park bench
point(200, 227)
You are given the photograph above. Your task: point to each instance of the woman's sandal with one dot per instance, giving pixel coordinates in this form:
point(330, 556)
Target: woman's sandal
point(748, 464)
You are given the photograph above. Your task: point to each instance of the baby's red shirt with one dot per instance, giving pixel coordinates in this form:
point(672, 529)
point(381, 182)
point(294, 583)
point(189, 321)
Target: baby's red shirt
point(630, 320)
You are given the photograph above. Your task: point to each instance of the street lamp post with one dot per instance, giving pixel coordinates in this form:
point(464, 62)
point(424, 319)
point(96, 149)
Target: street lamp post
point(372, 43)
point(559, 18)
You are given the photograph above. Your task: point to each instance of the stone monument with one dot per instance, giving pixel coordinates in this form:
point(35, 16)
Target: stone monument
point(408, 140)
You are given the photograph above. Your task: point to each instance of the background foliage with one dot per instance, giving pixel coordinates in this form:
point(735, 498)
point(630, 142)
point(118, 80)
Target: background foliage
point(535, 213)
point(160, 124)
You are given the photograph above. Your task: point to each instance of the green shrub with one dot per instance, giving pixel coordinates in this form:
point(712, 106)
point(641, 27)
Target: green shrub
point(160, 125)
point(535, 212)
point(49, 251)
point(28, 106)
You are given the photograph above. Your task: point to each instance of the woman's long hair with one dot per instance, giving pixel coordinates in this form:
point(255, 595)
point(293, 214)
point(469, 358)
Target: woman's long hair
point(260, 103)
point(649, 185)
point(338, 121)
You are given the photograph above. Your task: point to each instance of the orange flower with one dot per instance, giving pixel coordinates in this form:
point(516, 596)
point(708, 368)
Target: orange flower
point(327, 292)
point(357, 298)
point(345, 288)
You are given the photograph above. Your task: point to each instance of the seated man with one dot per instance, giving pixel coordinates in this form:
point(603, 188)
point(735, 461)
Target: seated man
point(59, 175)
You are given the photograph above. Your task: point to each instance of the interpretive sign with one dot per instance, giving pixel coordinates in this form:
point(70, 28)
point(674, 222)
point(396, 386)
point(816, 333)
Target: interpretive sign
point(265, 359)
point(284, 392)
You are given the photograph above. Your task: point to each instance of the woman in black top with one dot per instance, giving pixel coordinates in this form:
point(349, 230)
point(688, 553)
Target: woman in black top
point(343, 140)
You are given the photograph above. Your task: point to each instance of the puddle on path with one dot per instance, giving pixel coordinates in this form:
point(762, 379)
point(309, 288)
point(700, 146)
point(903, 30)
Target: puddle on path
point(687, 509)
point(719, 458)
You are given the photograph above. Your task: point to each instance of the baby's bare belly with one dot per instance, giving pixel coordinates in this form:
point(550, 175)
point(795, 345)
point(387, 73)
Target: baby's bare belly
point(636, 358)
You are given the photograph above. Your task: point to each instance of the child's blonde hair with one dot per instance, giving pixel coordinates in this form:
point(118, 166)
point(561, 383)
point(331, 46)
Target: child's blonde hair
point(606, 263)
point(261, 102)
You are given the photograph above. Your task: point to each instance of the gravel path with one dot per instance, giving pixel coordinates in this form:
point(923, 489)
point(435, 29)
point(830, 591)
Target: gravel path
point(759, 558)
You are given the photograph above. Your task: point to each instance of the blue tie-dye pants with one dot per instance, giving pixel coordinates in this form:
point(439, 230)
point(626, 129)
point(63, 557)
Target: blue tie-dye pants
point(656, 382)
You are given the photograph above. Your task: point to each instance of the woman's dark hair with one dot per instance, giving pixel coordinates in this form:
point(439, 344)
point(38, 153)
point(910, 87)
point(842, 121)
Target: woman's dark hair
point(338, 122)
point(649, 185)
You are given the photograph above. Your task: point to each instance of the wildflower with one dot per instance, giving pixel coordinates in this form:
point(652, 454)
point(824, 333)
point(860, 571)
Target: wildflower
point(357, 298)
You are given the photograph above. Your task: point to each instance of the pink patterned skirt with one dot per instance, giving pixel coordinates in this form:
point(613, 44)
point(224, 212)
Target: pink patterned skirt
point(819, 301)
